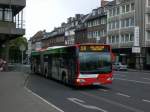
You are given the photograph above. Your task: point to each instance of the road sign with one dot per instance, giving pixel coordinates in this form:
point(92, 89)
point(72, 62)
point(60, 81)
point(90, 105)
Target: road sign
point(22, 48)
point(136, 36)
point(136, 49)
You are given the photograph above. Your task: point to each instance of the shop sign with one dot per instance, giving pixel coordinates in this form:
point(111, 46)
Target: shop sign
point(136, 49)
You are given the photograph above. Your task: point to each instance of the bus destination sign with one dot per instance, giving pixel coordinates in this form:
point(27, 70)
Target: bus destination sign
point(94, 48)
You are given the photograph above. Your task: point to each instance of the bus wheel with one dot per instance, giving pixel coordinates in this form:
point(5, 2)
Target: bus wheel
point(64, 78)
point(46, 74)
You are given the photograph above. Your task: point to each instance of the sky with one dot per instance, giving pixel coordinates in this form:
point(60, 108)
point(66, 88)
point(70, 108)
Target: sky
point(47, 14)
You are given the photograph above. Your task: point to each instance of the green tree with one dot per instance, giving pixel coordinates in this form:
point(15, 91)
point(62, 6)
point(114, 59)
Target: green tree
point(14, 51)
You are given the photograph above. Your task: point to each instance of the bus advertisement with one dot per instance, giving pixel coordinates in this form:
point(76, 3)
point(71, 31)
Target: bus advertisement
point(78, 65)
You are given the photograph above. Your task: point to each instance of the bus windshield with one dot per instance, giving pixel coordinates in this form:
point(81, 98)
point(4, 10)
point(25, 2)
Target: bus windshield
point(95, 62)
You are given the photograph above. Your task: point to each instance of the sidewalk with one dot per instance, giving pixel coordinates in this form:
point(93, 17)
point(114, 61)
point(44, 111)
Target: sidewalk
point(135, 70)
point(15, 98)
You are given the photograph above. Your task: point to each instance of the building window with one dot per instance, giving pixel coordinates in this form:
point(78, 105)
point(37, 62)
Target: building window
point(117, 39)
point(123, 9)
point(109, 40)
point(131, 21)
point(8, 15)
point(117, 11)
point(148, 2)
point(117, 24)
point(113, 39)
point(1, 14)
point(109, 26)
point(127, 8)
point(113, 25)
point(122, 23)
point(131, 37)
point(127, 22)
point(148, 35)
point(114, 12)
point(127, 38)
point(110, 13)
point(148, 18)
point(122, 39)
point(132, 6)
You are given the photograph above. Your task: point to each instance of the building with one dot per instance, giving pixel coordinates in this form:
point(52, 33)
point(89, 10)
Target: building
point(97, 26)
point(94, 26)
point(54, 38)
point(71, 26)
point(11, 23)
point(128, 32)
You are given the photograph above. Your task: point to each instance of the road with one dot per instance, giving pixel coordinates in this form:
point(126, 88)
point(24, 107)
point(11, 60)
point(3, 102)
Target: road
point(130, 92)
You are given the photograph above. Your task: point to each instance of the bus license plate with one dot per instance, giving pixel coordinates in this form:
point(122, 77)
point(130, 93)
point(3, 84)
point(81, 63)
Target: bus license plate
point(96, 83)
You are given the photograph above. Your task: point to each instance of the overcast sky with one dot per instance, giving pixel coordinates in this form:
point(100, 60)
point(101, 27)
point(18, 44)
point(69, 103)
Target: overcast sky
point(47, 14)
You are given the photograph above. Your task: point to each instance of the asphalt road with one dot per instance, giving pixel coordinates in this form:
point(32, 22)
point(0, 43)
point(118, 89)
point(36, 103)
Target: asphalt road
point(130, 92)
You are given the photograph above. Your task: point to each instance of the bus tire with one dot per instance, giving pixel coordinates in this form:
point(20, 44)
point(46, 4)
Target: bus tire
point(46, 73)
point(64, 78)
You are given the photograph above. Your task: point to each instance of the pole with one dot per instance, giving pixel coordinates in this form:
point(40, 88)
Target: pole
point(22, 57)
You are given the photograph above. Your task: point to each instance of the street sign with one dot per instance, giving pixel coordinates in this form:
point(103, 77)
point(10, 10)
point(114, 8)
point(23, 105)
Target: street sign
point(22, 48)
point(136, 50)
point(136, 36)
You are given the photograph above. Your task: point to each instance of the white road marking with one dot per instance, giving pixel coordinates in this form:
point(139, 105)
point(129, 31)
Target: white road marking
point(60, 110)
point(148, 101)
point(146, 79)
point(120, 75)
point(114, 103)
point(80, 102)
point(124, 95)
point(135, 81)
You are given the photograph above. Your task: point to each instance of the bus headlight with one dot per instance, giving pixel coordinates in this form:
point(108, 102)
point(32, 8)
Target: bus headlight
point(80, 80)
point(109, 79)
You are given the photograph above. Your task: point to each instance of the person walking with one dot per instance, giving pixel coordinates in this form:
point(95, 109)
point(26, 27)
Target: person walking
point(2, 65)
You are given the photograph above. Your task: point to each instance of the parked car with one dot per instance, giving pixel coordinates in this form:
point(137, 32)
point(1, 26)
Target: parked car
point(120, 66)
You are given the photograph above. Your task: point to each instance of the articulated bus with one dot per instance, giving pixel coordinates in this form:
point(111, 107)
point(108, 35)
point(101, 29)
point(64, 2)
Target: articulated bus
point(78, 65)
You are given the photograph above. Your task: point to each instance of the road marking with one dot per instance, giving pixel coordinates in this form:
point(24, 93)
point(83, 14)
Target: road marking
point(120, 94)
point(113, 102)
point(148, 101)
point(146, 78)
point(135, 81)
point(60, 110)
point(105, 90)
point(80, 102)
point(119, 75)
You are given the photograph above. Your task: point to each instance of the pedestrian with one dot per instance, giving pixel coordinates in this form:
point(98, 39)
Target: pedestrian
point(2, 65)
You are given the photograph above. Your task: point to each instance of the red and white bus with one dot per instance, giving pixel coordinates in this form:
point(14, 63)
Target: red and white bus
point(78, 65)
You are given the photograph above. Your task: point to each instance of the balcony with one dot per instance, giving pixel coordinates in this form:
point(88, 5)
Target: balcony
point(13, 2)
point(122, 45)
point(16, 5)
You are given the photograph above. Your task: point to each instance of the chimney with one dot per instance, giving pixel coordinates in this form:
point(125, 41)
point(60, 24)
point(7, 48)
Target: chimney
point(103, 3)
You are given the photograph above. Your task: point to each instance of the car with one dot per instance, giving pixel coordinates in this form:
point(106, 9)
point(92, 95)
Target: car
point(119, 66)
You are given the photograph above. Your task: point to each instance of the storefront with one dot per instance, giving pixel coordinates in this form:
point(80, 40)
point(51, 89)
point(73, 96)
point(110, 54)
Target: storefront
point(125, 56)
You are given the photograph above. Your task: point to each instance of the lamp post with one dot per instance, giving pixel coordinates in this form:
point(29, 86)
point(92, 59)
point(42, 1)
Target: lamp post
point(22, 49)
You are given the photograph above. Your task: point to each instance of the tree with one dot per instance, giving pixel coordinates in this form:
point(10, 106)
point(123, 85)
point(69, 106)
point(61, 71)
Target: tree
point(14, 51)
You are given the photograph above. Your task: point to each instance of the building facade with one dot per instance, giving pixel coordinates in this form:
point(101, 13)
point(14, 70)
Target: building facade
point(11, 23)
point(97, 26)
point(127, 32)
